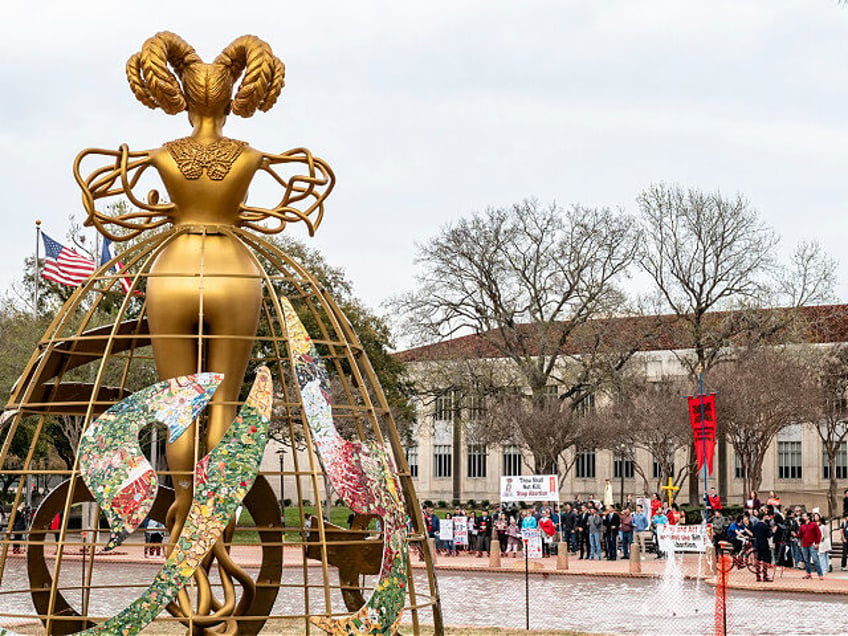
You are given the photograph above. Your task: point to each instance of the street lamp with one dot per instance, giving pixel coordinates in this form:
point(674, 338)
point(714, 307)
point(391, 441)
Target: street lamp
point(621, 449)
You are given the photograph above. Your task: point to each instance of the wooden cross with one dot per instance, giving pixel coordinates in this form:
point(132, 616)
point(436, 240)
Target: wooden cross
point(670, 488)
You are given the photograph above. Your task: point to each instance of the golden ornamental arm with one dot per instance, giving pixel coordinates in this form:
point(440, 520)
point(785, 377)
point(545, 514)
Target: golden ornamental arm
point(303, 194)
point(119, 178)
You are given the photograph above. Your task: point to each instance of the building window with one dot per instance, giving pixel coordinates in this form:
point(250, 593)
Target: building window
point(476, 408)
point(738, 471)
point(477, 460)
point(841, 465)
point(586, 405)
point(788, 460)
point(442, 460)
point(628, 467)
point(584, 464)
point(511, 461)
point(657, 468)
point(412, 460)
point(443, 408)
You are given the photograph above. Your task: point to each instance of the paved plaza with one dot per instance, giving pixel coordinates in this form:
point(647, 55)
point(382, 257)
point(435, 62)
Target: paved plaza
point(785, 579)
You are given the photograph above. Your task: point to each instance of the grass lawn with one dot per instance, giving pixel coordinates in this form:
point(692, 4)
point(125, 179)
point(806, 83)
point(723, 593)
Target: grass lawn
point(338, 516)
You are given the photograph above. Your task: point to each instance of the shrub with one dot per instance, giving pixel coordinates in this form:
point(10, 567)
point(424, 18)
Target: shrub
point(305, 502)
point(456, 503)
point(287, 502)
point(441, 503)
point(471, 504)
point(427, 503)
point(486, 503)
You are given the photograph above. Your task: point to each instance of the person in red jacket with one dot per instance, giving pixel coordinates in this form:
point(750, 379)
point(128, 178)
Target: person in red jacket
point(546, 525)
point(656, 505)
point(714, 500)
point(809, 535)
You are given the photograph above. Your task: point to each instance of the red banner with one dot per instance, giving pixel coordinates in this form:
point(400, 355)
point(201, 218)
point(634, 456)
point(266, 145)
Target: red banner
point(704, 432)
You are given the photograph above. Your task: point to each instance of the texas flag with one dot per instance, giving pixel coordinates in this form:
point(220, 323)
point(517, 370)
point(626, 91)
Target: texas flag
point(106, 255)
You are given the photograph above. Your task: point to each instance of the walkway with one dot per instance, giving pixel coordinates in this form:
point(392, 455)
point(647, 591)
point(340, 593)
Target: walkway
point(785, 579)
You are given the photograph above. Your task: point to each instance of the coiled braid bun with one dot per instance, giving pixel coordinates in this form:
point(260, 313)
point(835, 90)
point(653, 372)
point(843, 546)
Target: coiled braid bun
point(152, 81)
point(205, 88)
point(264, 74)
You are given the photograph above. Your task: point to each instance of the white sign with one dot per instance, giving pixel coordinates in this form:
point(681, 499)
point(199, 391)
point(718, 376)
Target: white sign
point(530, 488)
point(460, 531)
point(446, 530)
point(532, 542)
point(683, 538)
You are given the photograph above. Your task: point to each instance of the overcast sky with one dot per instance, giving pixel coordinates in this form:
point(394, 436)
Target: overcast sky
point(429, 111)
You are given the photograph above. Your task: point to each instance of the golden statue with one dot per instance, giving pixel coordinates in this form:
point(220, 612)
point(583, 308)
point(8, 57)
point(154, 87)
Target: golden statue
point(207, 289)
point(207, 177)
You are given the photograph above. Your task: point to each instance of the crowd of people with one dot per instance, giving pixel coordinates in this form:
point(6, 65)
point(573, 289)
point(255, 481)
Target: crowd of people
point(782, 536)
point(592, 529)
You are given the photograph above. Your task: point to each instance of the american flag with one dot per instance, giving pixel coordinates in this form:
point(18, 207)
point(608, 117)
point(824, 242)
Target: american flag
point(106, 255)
point(63, 265)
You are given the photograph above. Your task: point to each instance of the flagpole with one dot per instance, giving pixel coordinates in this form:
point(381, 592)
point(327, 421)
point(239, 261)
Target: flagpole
point(704, 442)
point(37, 272)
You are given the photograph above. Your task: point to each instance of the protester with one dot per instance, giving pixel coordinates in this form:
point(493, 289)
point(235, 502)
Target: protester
point(513, 534)
point(484, 534)
point(581, 529)
point(548, 530)
point(569, 522)
point(843, 534)
point(611, 523)
point(735, 534)
point(714, 501)
point(719, 525)
point(595, 527)
point(528, 521)
point(19, 528)
point(809, 535)
point(656, 504)
point(626, 532)
point(471, 521)
point(500, 527)
point(657, 522)
point(641, 528)
point(825, 543)
point(773, 500)
point(761, 529)
point(753, 502)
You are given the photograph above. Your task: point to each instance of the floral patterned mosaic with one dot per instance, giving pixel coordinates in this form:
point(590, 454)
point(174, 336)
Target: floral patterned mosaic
point(221, 481)
point(363, 475)
point(113, 467)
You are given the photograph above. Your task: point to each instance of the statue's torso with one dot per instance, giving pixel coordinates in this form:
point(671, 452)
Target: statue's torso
point(207, 184)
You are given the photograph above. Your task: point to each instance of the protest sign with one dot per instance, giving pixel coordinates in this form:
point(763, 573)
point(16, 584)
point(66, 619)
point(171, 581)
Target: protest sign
point(530, 488)
point(460, 531)
point(532, 542)
point(683, 538)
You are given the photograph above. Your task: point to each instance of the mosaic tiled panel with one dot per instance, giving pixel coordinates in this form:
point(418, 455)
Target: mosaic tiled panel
point(363, 475)
point(112, 464)
point(221, 481)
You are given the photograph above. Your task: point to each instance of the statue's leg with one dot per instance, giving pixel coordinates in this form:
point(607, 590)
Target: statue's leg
point(176, 355)
point(232, 318)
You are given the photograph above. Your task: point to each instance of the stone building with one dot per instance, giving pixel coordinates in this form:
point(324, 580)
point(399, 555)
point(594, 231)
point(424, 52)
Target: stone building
point(447, 465)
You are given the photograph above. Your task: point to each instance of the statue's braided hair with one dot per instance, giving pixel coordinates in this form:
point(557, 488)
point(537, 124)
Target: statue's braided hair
point(263, 74)
point(194, 85)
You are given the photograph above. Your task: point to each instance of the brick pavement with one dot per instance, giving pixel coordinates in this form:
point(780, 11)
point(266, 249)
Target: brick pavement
point(785, 579)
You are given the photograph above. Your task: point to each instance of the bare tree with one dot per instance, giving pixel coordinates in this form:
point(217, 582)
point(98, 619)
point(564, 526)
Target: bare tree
point(528, 287)
point(649, 415)
point(708, 253)
point(830, 415)
point(760, 393)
